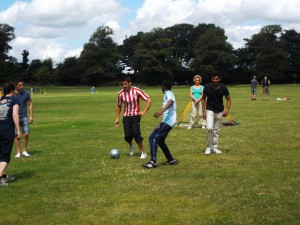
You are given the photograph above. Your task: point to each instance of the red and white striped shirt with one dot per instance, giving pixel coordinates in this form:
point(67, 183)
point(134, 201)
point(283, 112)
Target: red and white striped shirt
point(131, 100)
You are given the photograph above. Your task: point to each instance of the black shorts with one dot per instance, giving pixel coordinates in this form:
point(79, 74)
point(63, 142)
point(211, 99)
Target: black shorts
point(132, 129)
point(6, 143)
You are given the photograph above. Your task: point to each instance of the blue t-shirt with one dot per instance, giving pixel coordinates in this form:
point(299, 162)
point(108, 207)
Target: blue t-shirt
point(23, 98)
point(197, 92)
point(6, 111)
point(169, 116)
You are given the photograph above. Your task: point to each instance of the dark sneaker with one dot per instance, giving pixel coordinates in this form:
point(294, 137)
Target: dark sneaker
point(7, 179)
point(170, 163)
point(150, 165)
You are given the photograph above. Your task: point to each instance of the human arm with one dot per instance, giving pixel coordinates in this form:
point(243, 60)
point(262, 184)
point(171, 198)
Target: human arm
point(203, 104)
point(16, 120)
point(148, 104)
point(30, 107)
point(168, 105)
point(228, 104)
point(118, 110)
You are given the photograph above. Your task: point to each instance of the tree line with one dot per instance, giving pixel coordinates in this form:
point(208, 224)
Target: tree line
point(175, 53)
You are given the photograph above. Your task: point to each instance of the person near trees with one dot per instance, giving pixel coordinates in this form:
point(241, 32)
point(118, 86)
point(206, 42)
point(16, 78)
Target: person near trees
point(130, 96)
point(196, 94)
point(266, 90)
point(159, 134)
point(254, 84)
point(213, 111)
point(9, 127)
point(25, 100)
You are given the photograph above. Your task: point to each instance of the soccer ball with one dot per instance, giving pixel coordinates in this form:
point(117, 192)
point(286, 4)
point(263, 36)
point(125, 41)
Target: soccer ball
point(114, 153)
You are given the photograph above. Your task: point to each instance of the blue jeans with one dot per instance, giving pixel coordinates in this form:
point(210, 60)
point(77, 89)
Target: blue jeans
point(157, 138)
point(24, 124)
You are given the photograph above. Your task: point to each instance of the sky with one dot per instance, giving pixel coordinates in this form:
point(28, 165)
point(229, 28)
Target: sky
point(58, 29)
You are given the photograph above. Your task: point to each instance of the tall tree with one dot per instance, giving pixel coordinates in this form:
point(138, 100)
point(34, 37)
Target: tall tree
point(98, 57)
point(153, 57)
point(6, 35)
point(213, 52)
point(290, 40)
point(69, 72)
point(267, 53)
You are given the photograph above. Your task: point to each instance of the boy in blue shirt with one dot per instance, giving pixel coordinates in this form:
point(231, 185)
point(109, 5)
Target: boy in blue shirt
point(159, 134)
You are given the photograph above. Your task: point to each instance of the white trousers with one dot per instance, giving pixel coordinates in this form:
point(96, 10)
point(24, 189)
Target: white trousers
point(213, 125)
point(197, 111)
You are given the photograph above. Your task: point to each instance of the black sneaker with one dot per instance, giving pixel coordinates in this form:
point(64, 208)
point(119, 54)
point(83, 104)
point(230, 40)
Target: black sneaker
point(150, 165)
point(170, 163)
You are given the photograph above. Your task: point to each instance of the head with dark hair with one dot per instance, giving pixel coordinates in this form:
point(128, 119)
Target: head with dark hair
point(166, 85)
point(8, 87)
point(126, 78)
point(216, 79)
point(216, 74)
point(19, 81)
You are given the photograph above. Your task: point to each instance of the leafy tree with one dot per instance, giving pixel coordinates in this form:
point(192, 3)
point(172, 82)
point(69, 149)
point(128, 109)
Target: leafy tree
point(290, 40)
point(69, 72)
point(98, 57)
point(128, 47)
point(268, 56)
point(6, 35)
point(213, 52)
point(153, 57)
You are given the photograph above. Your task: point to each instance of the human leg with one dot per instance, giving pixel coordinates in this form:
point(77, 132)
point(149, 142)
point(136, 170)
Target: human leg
point(209, 131)
point(202, 121)
point(161, 137)
point(127, 124)
point(193, 115)
point(216, 131)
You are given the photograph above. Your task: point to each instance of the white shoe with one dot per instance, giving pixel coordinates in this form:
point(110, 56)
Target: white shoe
point(143, 155)
point(217, 151)
point(18, 155)
point(25, 154)
point(131, 150)
point(189, 127)
point(203, 127)
point(207, 151)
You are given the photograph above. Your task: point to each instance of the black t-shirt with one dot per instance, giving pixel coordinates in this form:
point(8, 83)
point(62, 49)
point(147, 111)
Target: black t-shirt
point(215, 97)
point(6, 111)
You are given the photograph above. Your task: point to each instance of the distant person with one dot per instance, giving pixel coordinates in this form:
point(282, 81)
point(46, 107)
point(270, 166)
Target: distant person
point(159, 134)
point(213, 111)
point(254, 84)
point(131, 96)
point(32, 90)
point(93, 90)
point(196, 94)
point(266, 91)
point(9, 122)
point(25, 100)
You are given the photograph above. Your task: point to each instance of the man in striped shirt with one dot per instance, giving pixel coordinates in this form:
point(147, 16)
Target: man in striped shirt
point(131, 96)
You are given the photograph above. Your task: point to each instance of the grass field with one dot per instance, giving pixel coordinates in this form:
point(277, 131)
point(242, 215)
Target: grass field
point(70, 178)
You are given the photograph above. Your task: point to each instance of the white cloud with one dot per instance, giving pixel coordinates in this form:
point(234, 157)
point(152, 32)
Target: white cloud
point(58, 29)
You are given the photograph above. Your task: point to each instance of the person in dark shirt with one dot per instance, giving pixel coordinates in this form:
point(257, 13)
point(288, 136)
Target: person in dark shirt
point(9, 121)
point(254, 84)
point(213, 111)
point(25, 100)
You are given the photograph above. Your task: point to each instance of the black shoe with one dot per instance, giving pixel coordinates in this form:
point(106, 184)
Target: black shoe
point(150, 165)
point(170, 163)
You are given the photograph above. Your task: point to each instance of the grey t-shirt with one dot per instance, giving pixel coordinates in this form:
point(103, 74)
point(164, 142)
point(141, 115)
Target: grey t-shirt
point(23, 98)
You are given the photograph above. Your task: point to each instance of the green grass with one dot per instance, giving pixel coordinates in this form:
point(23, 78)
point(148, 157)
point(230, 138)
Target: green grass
point(70, 178)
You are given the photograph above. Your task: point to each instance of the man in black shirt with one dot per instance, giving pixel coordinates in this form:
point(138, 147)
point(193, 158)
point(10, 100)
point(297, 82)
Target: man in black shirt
point(213, 111)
